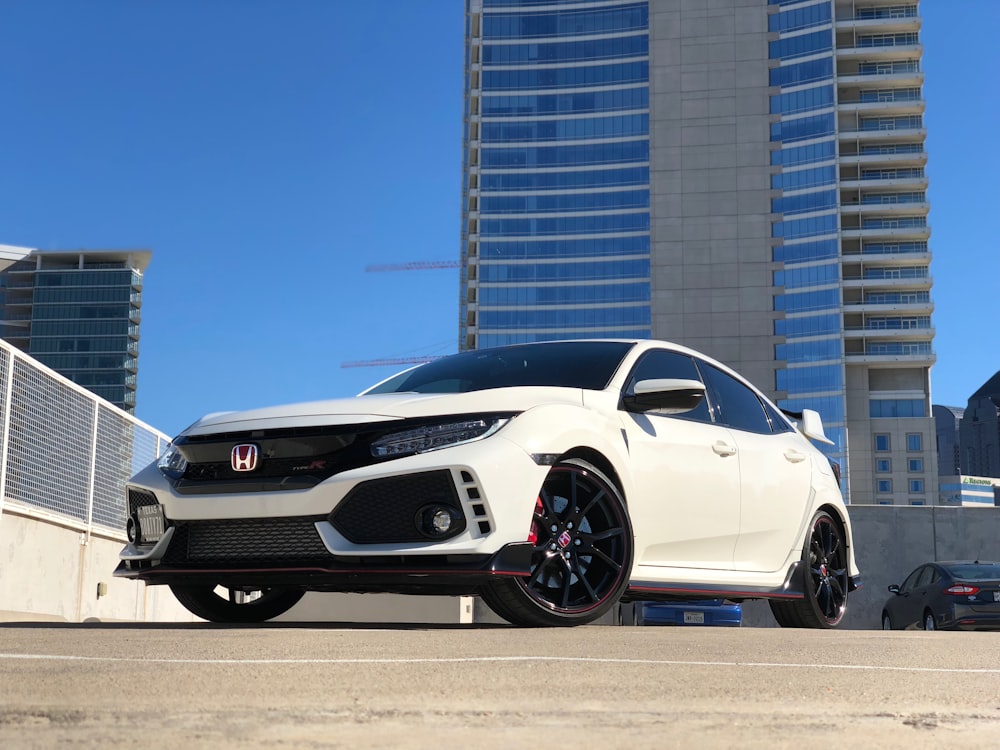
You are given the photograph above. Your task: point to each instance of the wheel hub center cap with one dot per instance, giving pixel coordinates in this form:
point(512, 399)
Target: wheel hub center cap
point(564, 539)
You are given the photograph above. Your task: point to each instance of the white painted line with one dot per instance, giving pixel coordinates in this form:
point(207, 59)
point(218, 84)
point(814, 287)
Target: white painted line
point(489, 659)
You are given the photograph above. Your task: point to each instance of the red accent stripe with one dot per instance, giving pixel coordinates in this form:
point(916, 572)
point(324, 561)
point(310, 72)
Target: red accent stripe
point(347, 571)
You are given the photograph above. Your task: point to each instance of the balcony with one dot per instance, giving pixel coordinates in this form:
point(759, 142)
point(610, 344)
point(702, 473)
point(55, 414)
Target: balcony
point(885, 159)
point(879, 52)
point(886, 283)
point(878, 108)
point(865, 134)
point(895, 308)
point(903, 360)
point(886, 233)
point(849, 204)
point(885, 183)
point(876, 77)
point(888, 334)
point(864, 24)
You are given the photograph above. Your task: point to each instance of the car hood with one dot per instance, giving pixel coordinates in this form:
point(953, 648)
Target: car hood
point(384, 407)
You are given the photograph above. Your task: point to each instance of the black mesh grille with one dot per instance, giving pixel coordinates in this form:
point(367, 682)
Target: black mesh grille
point(138, 498)
point(246, 540)
point(385, 510)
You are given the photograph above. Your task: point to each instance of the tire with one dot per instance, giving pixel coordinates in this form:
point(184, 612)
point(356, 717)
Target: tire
point(205, 602)
point(929, 622)
point(825, 579)
point(886, 622)
point(628, 613)
point(582, 557)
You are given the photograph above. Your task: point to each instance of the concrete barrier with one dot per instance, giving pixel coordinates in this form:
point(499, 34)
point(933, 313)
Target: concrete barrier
point(52, 570)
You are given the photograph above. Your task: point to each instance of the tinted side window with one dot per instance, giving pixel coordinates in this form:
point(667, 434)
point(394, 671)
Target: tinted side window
point(662, 364)
point(778, 423)
point(911, 580)
point(737, 405)
point(925, 576)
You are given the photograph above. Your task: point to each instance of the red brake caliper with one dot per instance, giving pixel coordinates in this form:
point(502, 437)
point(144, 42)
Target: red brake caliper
point(533, 532)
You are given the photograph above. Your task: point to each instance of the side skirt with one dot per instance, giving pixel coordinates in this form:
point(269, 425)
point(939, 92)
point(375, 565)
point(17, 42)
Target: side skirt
point(792, 588)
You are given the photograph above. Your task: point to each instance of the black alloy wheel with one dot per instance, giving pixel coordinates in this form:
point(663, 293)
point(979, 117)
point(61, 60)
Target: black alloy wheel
point(582, 557)
point(236, 605)
point(886, 622)
point(825, 575)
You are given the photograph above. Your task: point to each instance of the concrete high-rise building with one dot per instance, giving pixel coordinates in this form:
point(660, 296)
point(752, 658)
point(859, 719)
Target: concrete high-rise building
point(742, 176)
point(77, 312)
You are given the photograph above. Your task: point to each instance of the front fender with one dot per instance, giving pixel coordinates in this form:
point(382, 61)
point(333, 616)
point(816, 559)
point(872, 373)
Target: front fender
point(557, 429)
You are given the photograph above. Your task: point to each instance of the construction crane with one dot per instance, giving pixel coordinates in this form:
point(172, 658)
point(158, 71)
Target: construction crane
point(415, 265)
point(390, 361)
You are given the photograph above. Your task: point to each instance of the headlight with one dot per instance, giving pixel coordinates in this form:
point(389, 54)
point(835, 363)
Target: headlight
point(172, 462)
point(432, 437)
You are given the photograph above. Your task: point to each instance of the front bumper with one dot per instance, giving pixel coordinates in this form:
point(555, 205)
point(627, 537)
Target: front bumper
point(355, 531)
point(439, 574)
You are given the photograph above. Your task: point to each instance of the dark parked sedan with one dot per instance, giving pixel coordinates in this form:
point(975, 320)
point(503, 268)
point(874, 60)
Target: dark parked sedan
point(956, 595)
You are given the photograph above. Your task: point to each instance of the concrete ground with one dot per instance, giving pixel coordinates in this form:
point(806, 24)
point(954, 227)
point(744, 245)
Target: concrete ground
point(485, 686)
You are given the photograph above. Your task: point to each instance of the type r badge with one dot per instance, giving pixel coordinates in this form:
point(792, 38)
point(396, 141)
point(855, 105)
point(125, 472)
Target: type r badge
point(244, 457)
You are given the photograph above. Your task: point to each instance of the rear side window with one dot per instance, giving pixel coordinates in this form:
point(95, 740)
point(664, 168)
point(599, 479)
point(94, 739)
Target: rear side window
point(778, 423)
point(662, 364)
point(737, 406)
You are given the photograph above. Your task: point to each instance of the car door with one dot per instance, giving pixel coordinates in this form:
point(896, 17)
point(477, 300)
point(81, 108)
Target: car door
point(775, 474)
point(685, 509)
point(908, 606)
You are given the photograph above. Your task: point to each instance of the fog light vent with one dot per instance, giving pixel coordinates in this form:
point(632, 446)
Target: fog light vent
point(438, 521)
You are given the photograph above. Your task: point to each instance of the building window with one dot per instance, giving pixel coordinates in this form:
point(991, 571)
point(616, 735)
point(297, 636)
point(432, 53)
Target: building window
point(914, 442)
point(882, 443)
point(916, 502)
point(885, 502)
point(916, 464)
point(916, 486)
point(883, 465)
point(883, 486)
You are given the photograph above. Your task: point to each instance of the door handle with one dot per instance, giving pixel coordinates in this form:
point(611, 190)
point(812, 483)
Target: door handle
point(794, 456)
point(723, 448)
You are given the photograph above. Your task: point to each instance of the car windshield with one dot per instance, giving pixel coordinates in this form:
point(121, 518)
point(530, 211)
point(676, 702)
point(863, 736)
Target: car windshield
point(570, 364)
point(976, 571)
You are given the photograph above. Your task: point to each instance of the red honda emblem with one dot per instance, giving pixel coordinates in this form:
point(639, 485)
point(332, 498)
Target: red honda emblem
point(564, 539)
point(244, 457)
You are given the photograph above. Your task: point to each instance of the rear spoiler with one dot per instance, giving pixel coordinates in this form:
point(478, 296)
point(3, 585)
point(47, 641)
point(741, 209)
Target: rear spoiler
point(810, 424)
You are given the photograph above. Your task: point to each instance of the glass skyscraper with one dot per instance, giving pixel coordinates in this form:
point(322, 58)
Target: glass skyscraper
point(556, 209)
point(78, 312)
point(742, 176)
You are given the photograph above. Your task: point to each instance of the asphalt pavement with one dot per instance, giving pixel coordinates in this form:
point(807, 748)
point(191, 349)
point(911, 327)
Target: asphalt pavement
point(100, 685)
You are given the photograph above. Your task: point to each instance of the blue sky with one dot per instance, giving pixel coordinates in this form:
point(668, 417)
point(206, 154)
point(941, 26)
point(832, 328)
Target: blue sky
point(267, 152)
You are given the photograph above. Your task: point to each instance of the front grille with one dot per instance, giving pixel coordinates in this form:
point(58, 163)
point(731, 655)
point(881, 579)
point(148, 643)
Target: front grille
point(138, 498)
point(385, 510)
point(246, 541)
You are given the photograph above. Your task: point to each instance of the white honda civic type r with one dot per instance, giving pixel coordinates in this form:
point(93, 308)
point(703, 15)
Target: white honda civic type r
point(552, 479)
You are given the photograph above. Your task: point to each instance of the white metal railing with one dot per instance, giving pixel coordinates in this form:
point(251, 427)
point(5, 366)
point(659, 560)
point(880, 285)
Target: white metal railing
point(63, 450)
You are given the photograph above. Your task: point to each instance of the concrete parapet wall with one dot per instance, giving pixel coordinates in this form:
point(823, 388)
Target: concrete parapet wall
point(50, 571)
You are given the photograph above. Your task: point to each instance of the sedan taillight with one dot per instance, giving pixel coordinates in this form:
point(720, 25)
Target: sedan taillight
point(962, 589)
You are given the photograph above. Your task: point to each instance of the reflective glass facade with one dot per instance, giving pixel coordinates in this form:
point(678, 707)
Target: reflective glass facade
point(556, 194)
point(851, 225)
point(79, 313)
point(809, 290)
point(746, 178)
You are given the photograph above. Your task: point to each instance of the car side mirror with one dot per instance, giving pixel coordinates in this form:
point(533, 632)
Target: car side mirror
point(894, 589)
point(812, 427)
point(667, 396)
